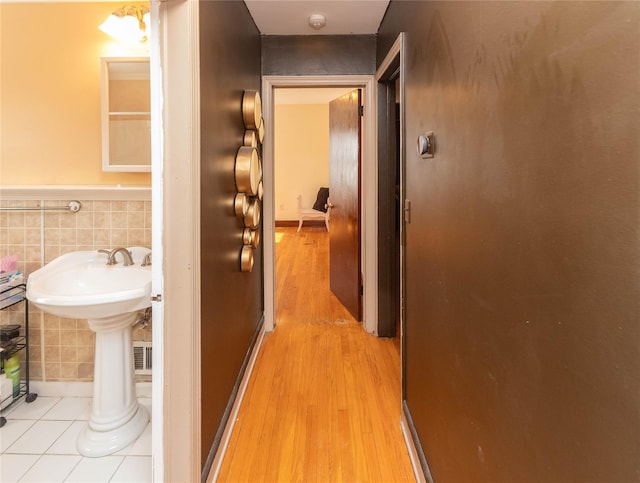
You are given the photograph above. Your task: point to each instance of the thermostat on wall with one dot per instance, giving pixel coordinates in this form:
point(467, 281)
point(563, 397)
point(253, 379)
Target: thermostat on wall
point(426, 145)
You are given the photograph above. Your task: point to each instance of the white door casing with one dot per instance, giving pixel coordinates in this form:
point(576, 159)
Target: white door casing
point(369, 184)
point(176, 193)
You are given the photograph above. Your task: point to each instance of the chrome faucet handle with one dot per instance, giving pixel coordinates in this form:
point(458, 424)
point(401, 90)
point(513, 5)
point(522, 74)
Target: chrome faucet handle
point(110, 258)
point(146, 261)
point(126, 256)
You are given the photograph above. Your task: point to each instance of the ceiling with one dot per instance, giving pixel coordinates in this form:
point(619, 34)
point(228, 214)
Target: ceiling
point(291, 17)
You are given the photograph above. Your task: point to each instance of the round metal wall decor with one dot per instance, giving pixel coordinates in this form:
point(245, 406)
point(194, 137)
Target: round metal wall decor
point(247, 170)
point(246, 236)
point(248, 177)
point(252, 218)
point(246, 259)
point(255, 238)
point(251, 109)
point(250, 139)
point(241, 204)
point(251, 237)
point(260, 190)
point(261, 131)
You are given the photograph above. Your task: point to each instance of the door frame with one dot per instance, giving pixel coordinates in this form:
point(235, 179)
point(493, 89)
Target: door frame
point(368, 183)
point(390, 189)
point(176, 421)
point(395, 61)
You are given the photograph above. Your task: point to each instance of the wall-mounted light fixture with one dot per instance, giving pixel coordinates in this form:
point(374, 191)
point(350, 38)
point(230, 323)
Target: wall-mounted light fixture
point(129, 23)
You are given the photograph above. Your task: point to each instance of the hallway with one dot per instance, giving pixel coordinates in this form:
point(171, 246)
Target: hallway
point(323, 403)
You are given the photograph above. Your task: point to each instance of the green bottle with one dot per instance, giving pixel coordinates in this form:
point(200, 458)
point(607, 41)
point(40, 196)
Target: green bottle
point(12, 370)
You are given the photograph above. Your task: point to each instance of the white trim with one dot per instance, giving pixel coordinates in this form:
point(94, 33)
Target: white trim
point(413, 452)
point(100, 193)
point(77, 388)
point(394, 51)
point(369, 180)
point(180, 57)
point(156, 86)
point(233, 415)
point(268, 207)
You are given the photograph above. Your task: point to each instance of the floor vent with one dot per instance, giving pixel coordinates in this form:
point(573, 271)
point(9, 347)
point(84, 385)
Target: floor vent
point(142, 357)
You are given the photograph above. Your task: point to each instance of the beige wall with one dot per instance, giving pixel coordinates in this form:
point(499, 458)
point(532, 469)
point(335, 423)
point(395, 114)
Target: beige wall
point(50, 94)
point(301, 141)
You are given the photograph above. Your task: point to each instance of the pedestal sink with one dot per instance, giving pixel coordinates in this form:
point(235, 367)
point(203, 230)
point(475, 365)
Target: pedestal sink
point(80, 285)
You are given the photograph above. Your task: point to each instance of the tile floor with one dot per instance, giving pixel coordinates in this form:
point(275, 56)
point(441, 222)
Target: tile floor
point(38, 444)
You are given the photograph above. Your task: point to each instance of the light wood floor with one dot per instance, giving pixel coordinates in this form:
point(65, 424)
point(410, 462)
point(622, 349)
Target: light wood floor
point(323, 403)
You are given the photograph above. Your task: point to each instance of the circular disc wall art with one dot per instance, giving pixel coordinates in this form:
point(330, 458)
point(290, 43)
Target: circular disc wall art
point(246, 259)
point(252, 218)
point(260, 190)
point(248, 177)
point(261, 131)
point(247, 170)
point(250, 139)
point(241, 204)
point(251, 237)
point(251, 109)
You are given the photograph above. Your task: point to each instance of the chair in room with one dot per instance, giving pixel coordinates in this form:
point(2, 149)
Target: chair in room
point(312, 214)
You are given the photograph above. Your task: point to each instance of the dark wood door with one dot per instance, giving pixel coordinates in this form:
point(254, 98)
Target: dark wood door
point(344, 195)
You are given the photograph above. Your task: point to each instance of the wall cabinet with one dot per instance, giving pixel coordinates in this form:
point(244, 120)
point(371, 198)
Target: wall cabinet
point(126, 114)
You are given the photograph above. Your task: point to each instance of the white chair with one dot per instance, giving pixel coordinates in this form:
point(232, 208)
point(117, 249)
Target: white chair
point(311, 214)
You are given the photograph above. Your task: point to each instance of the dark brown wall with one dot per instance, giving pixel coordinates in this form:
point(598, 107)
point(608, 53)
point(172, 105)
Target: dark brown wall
point(318, 55)
point(231, 301)
point(523, 260)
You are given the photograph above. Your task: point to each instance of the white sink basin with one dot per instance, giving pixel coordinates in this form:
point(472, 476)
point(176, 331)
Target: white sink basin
point(80, 285)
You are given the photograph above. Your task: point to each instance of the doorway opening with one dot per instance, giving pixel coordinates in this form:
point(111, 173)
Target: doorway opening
point(390, 203)
point(301, 147)
point(367, 184)
point(392, 158)
point(312, 158)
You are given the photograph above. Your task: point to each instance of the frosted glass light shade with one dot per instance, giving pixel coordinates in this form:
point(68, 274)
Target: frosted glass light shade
point(126, 26)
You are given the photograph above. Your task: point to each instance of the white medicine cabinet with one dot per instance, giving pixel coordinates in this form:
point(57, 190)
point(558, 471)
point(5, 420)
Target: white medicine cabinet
point(126, 114)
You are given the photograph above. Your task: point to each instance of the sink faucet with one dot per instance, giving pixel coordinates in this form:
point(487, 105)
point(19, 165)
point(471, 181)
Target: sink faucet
point(146, 261)
point(126, 255)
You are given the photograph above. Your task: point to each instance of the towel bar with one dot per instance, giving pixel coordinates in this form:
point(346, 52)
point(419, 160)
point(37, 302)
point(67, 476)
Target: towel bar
point(73, 206)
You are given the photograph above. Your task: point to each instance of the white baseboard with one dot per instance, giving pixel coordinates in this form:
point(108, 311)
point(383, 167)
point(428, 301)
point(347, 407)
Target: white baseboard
point(77, 389)
point(413, 452)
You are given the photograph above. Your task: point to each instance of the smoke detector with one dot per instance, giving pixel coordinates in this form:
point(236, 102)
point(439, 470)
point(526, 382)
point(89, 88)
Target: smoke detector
point(317, 21)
